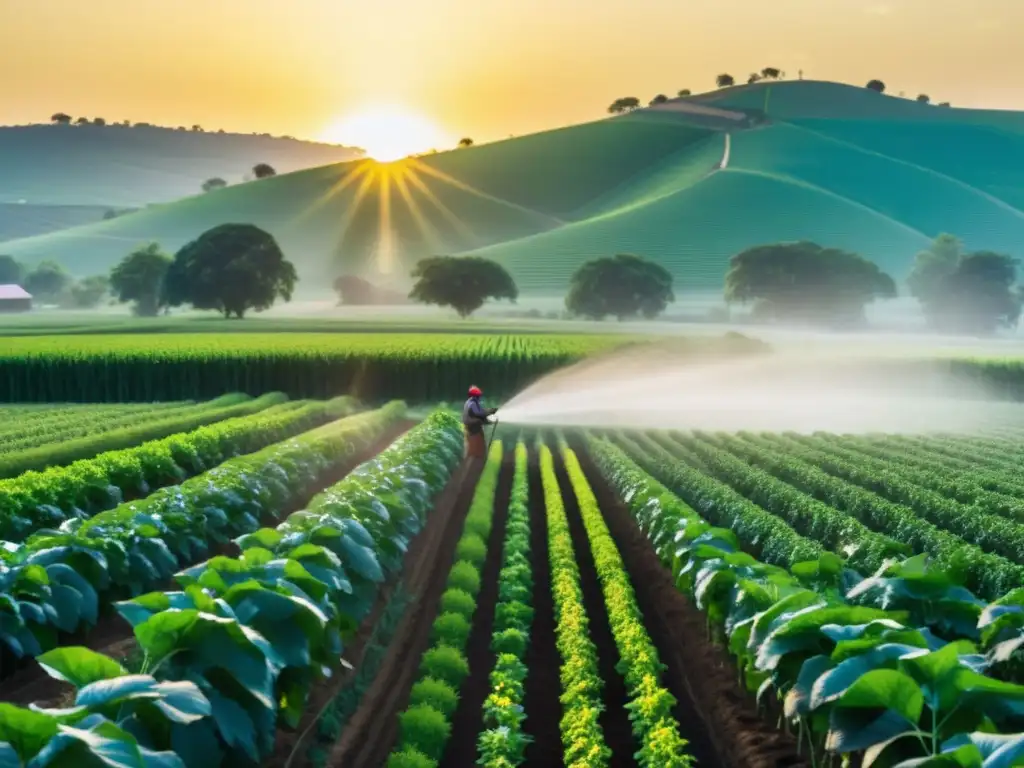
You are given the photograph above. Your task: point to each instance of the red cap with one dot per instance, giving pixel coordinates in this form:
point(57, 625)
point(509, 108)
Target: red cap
point(475, 392)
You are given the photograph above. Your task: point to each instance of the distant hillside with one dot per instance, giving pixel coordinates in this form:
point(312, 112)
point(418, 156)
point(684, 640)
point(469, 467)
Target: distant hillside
point(689, 183)
point(122, 167)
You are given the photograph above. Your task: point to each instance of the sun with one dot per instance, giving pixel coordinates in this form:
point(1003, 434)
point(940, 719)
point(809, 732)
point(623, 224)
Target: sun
point(387, 133)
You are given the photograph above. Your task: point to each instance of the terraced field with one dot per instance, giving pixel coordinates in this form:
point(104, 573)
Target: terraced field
point(841, 165)
point(316, 583)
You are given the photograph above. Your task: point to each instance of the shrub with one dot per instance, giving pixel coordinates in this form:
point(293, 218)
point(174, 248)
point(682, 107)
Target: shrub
point(512, 615)
point(478, 523)
point(472, 549)
point(435, 693)
point(465, 577)
point(425, 729)
point(445, 663)
point(410, 757)
point(458, 601)
point(451, 629)
point(512, 641)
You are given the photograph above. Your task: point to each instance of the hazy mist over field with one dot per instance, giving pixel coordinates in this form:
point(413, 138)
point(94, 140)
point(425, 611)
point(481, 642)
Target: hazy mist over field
point(826, 384)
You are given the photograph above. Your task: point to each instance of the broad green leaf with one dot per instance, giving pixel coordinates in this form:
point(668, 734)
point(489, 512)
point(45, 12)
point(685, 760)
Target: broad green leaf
point(997, 750)
point(161, 634)
point(26, 731)
point(234, 724)
point(885, 689)
point(79, 666)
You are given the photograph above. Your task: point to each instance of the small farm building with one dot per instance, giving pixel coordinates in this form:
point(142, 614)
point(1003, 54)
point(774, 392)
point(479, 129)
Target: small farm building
point(14, 298)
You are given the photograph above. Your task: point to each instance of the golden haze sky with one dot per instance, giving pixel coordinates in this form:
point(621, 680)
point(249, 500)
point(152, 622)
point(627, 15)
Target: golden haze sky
point(483, 68)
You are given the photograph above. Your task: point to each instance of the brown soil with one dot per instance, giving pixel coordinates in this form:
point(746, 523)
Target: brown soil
point(468, 719)
point(618, 733)
point(542, 688)
point(113, 636)
point(717, 715)
point(372, 731)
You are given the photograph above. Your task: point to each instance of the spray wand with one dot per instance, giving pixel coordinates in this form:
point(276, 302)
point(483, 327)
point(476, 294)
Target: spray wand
point(494, 426)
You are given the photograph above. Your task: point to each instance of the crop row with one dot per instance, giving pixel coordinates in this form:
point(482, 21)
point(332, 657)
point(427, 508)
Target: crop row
point(426, 721)
point(931, 592)
point(650, 705)
point(79, 490)
point(937, 494)
point(922, 526)
point(58, 581)
point(28, 425)
point(239, 647)
point(60, 449)
point(502, 743)
point(415, 367)
point(852, 679)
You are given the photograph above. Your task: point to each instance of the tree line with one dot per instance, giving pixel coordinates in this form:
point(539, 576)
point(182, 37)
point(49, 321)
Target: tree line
point(63, 118)
point(626, 104)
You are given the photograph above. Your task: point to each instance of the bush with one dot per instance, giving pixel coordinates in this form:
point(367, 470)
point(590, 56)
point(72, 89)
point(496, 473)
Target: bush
point(435, 693)
point(472, 549)
point(451, 629)
point(445, 663)
point(458, 601)
point(478, 523)
point(510, 641)
point(512, 615)
point(425, 729)
point(410, 758)
point(465, 577)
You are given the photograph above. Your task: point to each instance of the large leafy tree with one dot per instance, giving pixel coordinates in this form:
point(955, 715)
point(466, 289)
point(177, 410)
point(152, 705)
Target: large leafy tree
point(876, 85)
point(215, 183)
point(11, 272)
point(624, 104)
point(965, 292)
point(263, 171)
point(462, 283)
point(231, 268)
point(139, 279)
point(805, 282)
point(622, 286)
point(48, 282)
point(725, 80)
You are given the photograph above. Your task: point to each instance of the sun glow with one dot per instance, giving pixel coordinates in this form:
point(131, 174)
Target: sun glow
point(387, 133)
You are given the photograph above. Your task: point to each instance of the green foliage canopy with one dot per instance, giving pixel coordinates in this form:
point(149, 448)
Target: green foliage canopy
point(231, 268)
point(11, 272)
point(463, 284)
point(139, 279)
point(624, 286)
point(806, 282)
point(48, 282)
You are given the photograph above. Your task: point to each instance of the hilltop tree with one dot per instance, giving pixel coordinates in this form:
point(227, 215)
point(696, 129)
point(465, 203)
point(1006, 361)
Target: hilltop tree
point(89, 292)
point(11, 272)
point(139, 279)
point(661, 98)
point(725, 80)
point(943, 104)
point(622, 286)
point(462, 283)
point(754, 77)
point(197, 129)
point(263, 171)
point(684, 93)
point(924, 98)
point(231, 268)
point(47, 282)
point(964, 292)
point(807, 283)
point(60, 118)
point(624, 104)
point(215, 183)
point(771, 73)
point(876, 85)
point(99, 121)
point(82, 121)
point(465, 142)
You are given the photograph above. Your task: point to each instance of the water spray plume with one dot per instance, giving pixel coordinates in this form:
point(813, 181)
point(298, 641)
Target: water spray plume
point(835, 390)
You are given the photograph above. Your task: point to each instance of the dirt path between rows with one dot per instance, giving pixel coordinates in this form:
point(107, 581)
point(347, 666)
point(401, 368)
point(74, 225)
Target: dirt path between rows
point(371, 732)
point(113, 636)
point(715, 712)
point(468, 719)
point(543, 684)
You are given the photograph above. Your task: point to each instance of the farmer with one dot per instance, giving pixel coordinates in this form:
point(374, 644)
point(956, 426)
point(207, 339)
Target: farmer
point(474, 417)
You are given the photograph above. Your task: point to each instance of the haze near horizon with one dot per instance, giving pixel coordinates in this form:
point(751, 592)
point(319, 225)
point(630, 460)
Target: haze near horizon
point(431, 74)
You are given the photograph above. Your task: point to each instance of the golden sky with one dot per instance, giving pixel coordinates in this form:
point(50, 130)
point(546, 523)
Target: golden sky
point(482, 68)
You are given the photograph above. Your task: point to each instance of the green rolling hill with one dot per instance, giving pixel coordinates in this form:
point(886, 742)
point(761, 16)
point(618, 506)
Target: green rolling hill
point(688, 183)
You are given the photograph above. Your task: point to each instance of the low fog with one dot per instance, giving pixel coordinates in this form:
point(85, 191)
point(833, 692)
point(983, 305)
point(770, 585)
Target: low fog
point(854, 387)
